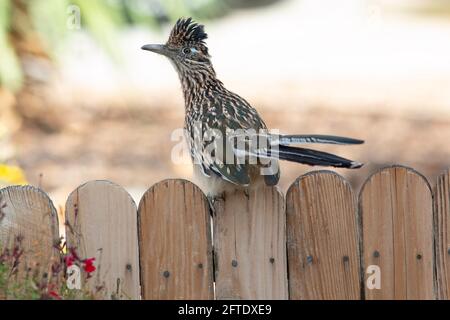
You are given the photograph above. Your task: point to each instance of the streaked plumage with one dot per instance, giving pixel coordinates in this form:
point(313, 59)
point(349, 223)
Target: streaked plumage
point(216, 113)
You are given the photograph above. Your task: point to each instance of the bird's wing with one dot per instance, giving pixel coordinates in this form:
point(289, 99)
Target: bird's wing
point(220, 158)
point(218, 151)
point(213, 151)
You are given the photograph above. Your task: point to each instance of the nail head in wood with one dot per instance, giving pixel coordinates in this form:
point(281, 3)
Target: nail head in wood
point(166, 274)
point(234, 263)
point(376, 254)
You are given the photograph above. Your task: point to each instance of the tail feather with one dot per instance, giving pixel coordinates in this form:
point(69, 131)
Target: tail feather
point(313, 157)
point(318, 138)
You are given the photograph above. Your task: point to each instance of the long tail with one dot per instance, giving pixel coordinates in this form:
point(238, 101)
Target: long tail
point(305, 156)
point(314, 157)
point(315, 138)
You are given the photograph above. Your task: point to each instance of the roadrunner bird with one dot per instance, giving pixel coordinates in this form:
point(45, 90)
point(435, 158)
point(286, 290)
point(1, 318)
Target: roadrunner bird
point(216, 116)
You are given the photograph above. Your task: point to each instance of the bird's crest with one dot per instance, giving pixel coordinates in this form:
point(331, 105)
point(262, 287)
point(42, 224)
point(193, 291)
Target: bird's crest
point(187, 31)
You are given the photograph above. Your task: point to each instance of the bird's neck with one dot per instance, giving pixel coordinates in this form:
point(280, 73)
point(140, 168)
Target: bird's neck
point(195, 83)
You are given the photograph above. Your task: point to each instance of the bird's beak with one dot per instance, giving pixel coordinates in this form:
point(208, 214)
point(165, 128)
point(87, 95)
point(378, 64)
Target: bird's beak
point(157, 48)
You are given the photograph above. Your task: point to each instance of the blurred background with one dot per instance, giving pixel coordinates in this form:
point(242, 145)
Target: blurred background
point(79, 100)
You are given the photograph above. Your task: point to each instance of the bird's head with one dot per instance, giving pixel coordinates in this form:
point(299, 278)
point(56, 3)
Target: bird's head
point(186, 46)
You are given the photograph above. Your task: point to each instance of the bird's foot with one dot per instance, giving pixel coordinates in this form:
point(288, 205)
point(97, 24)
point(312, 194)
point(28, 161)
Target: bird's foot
point(213, 200)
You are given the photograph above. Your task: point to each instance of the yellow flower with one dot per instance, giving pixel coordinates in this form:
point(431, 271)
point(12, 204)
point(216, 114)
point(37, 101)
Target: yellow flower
point(11, 175)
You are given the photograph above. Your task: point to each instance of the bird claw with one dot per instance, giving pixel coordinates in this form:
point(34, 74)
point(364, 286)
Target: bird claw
point(212, 199)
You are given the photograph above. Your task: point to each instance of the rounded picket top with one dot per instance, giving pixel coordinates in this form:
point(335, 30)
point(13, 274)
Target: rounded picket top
point(175, 242)
point(317, 176)
point(322, 238)
point(395, 169)
point(396, 216)
point(101, 223)
point(28, 219)
point(441, 196)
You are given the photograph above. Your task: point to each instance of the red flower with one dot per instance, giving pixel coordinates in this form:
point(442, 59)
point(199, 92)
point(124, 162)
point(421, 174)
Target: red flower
point(69, 260)
point(89, 265)
point(54, 295)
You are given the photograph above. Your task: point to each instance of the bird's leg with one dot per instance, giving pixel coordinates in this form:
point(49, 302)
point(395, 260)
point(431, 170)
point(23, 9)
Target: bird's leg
point(213, 199)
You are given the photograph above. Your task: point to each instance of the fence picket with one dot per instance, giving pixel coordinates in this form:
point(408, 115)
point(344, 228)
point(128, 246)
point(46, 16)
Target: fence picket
point(397, 223)
point(322, 238)
point(175, 242)
point(442, 234)
point(250, 245)
point(29, 213)
point(101, 222)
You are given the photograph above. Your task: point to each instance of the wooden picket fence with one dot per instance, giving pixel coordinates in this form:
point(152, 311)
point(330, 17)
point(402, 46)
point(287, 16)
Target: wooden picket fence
point(321, 241)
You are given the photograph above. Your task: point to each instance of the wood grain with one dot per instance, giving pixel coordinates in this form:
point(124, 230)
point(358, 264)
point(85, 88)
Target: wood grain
point(29, 213)
point(175, 242)
point(322, 235)
point(101, 222)
point(442, 234)
point(397, 223)
point(250, 245)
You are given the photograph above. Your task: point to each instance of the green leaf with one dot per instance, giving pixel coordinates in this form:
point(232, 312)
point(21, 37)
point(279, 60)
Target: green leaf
point(11, 75)
point(102, 20)
point(5, 13)
point(49, 18)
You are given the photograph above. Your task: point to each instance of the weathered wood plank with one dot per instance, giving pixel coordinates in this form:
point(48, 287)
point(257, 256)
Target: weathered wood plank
point(397, 223)
point(101, 222)
point(175, 242)
point(442, 234)
point(29, 213)
point(250, 245)
point(322, 233)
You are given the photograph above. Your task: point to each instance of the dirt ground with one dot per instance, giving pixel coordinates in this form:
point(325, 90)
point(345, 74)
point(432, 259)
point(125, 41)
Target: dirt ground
point(132, 146)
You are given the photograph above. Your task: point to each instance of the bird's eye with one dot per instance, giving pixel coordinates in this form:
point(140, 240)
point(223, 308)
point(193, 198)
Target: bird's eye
point(187, 50)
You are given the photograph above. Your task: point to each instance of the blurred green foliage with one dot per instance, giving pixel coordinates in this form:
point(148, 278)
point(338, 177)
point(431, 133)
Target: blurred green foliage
point(10, 72)
point(48, 21)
